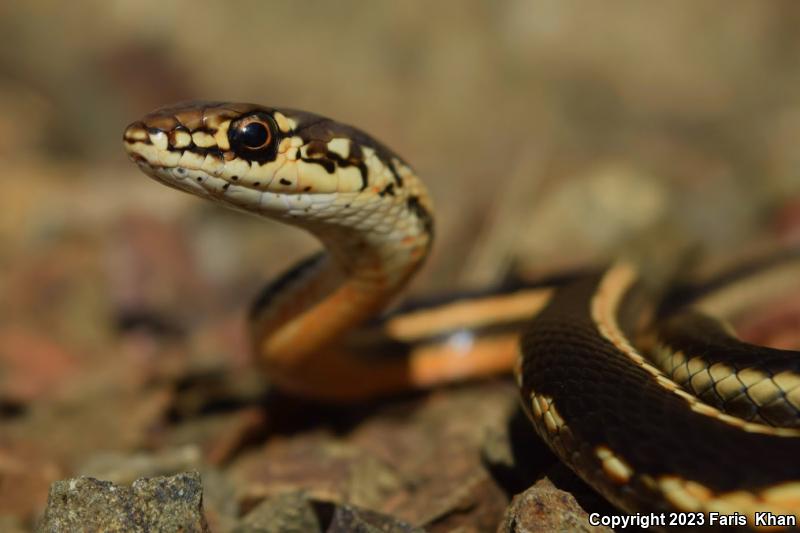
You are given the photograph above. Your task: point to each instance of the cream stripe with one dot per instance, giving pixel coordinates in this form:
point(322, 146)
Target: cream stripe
point(615, 284)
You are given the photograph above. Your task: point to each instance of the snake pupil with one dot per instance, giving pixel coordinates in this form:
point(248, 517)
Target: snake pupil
point(254, 135)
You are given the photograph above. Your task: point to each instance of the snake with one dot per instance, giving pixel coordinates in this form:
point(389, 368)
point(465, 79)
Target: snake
point(697, 422)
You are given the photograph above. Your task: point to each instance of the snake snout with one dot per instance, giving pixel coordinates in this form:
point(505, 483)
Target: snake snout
point(134, 132)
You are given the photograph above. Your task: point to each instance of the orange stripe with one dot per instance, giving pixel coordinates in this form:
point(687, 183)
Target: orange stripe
point(451, 362)
point(469, 314)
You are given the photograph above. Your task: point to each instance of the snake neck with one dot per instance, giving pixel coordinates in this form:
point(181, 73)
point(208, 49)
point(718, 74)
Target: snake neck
point(314, 304)
point(365, 204)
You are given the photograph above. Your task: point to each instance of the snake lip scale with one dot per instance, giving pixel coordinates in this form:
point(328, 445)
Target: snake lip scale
point(650, 435)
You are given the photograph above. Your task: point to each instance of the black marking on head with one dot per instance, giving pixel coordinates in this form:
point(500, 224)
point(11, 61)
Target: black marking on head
point(396, 173)
point(354, 152)
point(278, 285)
point(355, 156)
point(317, 152)
point(214, 151)
point(362, 167)
point(421, 213)
point(320, 131)
point(327, 164)
point(234, 178)
point(389, 189)
point(172, 136)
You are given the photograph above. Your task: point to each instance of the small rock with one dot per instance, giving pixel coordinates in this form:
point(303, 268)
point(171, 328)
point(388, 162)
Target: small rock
point(159, 504)
point(294, 512)
point(284, 513)
point(348, 519)
point(544, 508)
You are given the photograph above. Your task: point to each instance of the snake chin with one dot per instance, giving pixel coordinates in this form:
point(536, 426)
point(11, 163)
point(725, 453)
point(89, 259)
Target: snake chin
point(232, 195)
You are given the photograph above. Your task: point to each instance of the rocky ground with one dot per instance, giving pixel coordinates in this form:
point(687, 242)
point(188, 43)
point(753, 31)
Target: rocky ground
point(552, 134)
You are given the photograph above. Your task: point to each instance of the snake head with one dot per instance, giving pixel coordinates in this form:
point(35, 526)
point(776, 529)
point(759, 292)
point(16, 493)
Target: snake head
point(276, 162)
point(231, 152)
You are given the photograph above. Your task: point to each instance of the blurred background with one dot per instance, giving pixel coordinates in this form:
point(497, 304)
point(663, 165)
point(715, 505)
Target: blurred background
point(550, 133)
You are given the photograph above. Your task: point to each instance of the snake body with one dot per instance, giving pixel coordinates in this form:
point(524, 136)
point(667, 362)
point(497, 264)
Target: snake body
point(631, 431)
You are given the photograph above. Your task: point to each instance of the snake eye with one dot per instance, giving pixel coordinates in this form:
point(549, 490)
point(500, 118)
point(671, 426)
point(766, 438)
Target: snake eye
point(252, 136)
